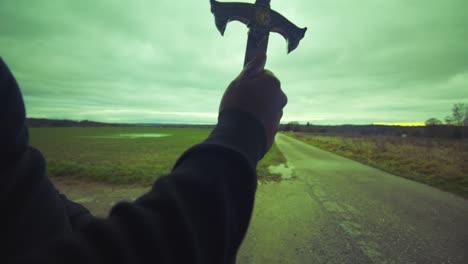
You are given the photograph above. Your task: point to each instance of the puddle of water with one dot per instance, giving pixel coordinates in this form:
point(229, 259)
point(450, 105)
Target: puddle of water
point(142, 135)
point(282, 169)
point(85, 200)
point(132, 136)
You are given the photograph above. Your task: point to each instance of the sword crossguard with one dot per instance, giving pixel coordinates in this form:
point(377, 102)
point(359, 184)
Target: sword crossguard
point(260, 19)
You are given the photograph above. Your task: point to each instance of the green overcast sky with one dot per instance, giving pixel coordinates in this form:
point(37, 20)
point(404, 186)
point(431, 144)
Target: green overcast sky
point(164, 61)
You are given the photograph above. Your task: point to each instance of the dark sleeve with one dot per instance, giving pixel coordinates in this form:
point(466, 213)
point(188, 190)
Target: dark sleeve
point(197, 214)
point(25, 190)
point(13, 132)
point(31, 211)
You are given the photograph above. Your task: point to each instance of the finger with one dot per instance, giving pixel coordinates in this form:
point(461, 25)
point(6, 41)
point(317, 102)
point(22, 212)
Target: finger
point(284, 99)
point(268, 72)
point(280, 116)
point(271, 82)
point(256, 66)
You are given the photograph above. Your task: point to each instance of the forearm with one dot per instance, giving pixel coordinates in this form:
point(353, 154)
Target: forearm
point(197, 214)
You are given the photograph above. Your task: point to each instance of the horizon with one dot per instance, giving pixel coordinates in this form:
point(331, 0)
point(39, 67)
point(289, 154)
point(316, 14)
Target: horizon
point(402, 124)
point(360, 63)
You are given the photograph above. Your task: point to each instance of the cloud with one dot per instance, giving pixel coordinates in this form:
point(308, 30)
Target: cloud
point(143, 61)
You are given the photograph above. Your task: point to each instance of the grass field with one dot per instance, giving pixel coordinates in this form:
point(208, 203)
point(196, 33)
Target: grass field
point(437, 162)
point(122, 155)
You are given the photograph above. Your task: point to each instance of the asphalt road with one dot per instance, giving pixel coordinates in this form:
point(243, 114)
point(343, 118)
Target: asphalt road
point(334, 210)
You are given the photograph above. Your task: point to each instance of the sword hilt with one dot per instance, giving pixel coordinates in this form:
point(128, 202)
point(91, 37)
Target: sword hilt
point(261, 20)
point(256, 44)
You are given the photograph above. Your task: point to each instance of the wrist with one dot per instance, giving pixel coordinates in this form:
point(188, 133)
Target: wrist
point(241, 131)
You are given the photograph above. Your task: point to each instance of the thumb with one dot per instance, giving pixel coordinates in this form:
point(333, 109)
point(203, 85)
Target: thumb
point(256, 66)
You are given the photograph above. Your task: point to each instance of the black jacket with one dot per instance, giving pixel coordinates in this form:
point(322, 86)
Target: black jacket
point(197, 214)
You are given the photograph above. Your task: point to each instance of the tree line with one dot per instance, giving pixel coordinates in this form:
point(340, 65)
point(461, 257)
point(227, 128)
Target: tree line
point(455, 126)
point(458, 117)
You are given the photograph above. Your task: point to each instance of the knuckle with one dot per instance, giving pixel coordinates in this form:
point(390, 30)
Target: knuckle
point(284, 99)
point(273, 82)
point(268, 72)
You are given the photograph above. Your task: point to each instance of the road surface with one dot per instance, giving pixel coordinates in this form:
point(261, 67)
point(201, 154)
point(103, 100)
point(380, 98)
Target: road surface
point(334, 210)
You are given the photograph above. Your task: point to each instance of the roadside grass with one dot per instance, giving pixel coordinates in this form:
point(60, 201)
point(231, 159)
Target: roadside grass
point(112, 155)
point(440, 163)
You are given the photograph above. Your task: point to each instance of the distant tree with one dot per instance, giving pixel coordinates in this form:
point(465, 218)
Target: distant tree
point(293, 126)
point(449, 120)
point(465, 123)
point(433, 122)
point(459, 114)
point(308, 124)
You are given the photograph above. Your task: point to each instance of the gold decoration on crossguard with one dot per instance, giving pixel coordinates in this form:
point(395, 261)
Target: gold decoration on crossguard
point(263, 17)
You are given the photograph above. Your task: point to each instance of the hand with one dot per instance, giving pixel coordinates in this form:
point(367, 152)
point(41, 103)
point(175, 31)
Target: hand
point(257, 91)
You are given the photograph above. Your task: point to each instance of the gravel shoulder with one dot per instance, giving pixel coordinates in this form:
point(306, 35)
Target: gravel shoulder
point(98, 197)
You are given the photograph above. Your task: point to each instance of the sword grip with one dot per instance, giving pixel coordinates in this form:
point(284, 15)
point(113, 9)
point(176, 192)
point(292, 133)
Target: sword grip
point(256, 44)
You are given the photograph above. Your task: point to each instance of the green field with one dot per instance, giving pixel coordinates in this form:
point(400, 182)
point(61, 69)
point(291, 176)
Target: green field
point(123, 154)
point(440, 163)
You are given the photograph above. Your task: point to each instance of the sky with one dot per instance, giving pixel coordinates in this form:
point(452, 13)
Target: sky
point(163, 61)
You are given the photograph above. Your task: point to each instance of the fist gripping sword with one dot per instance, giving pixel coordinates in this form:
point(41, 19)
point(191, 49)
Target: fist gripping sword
point(260, 19)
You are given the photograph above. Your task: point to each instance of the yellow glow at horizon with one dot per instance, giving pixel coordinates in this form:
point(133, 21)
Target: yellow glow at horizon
point(408, 124)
